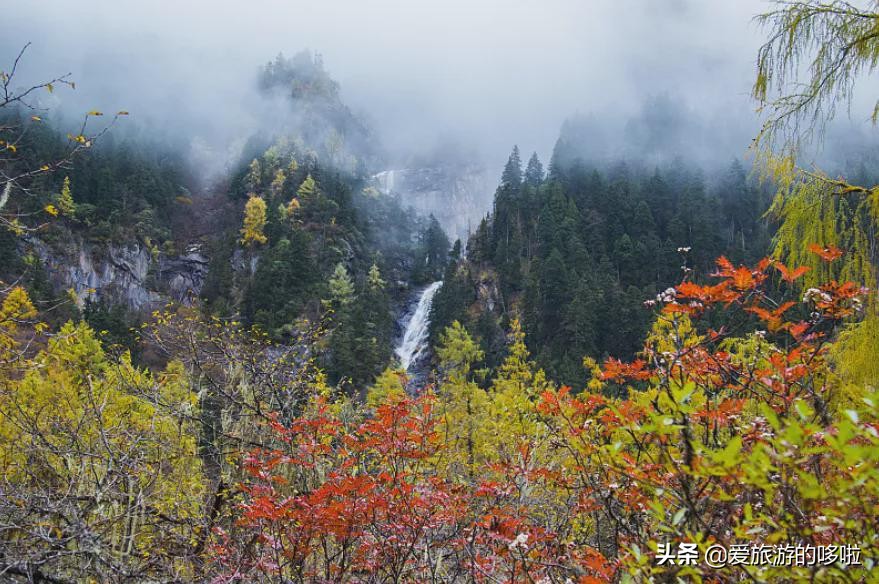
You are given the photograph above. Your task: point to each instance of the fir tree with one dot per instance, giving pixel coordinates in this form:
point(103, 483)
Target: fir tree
point(534, 174)
point(65, 199)
point(278, 182)
point(512, 175)
point(253, 180)
point(341, 287)
point(307, 189)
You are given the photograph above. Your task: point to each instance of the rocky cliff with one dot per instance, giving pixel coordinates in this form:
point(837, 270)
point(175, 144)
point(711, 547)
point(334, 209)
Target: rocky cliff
point(125, 274)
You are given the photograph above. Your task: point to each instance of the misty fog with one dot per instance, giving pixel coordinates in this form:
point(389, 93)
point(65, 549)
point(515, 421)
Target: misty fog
point(475, 77)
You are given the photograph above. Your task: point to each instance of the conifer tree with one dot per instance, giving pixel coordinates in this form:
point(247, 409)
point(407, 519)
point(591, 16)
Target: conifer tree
point(307, 189)
point(374, 278)
point(464, 403)
point(512, 175)
point(254, 221)
point(253, 180)
point(511, 420)
point(434, 251)
point(278, 183)
point(534, 174)
point(65, 199)
point(291, 207)
point(342, 360)
point(374, 327)
point(341, 287)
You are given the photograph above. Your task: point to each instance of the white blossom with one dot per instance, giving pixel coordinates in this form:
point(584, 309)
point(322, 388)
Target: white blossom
point(815, 295)
point(668, 295)
point(521, 541)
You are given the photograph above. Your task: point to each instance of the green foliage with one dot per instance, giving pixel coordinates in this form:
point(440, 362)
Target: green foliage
point(360, 343)
point(389, 387)
point(307, 189)
point(432, 252)
point(809, 215)
point(341, 288)
point(125, 185)
point(811, 218)
point(65, 200)
point(836, 40)
point(324, 238)
point(284, 282)
point(854, 353)
point(575, 255)
point(465, 405)
point(113, 323)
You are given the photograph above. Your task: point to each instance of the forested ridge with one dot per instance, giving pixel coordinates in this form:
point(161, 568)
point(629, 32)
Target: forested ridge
point(626, 356)
point(578, 252)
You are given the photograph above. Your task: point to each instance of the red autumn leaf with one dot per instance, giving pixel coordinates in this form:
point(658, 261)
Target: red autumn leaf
point(827, 253)
point(791, 275)
point(725, 265)
point(799, 329)
point(773, 319)
point(691, 290)
point(615, 369)
point(742, 278)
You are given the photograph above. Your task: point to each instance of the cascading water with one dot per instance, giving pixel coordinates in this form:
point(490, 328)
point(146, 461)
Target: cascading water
point(414, 342)
point(386, 181)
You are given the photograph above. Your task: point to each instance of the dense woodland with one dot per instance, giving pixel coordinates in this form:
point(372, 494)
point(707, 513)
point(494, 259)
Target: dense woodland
point(576, 253)
point(624, 354)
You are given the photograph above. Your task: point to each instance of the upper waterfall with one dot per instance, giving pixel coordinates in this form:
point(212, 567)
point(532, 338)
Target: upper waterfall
point(459, 196)
point(414, 342)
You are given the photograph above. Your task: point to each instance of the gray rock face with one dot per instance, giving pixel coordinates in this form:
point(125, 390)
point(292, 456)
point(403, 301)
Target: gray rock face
point(181, 277)
point(458, 197)
point(244, 263)
point(124, 274)
point(487, 292)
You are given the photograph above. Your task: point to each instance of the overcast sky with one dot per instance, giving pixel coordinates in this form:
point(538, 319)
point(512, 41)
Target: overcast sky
point(487, 72)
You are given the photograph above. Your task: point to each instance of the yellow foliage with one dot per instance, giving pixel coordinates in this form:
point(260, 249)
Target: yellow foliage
point(109, 444)
point(16, 307)
point(292, 207)
point(254, 221)
point(389, 387)
point(278, 183)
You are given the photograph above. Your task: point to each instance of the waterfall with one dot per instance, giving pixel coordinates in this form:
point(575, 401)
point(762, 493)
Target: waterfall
point(414, 342)
point(386, 180)
point(389, 184)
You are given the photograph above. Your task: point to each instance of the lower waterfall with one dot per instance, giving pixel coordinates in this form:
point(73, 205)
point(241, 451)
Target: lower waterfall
point(414, 342)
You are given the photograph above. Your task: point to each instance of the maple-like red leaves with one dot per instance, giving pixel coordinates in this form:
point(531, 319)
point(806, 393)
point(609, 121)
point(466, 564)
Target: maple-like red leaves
point(333, 503)
point(743, 287)
point(790, 275)
point(827, 253)
point(742, 278)
point(772, 318)
point(616, 370)
point(338, 500)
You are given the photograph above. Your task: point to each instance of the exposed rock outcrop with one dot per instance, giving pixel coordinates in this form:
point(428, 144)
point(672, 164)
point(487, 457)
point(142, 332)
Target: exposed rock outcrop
point(488, 295)
point(127, 274)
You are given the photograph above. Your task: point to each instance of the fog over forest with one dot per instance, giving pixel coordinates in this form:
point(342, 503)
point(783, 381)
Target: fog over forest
point(481, 75)
point(449, 291)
